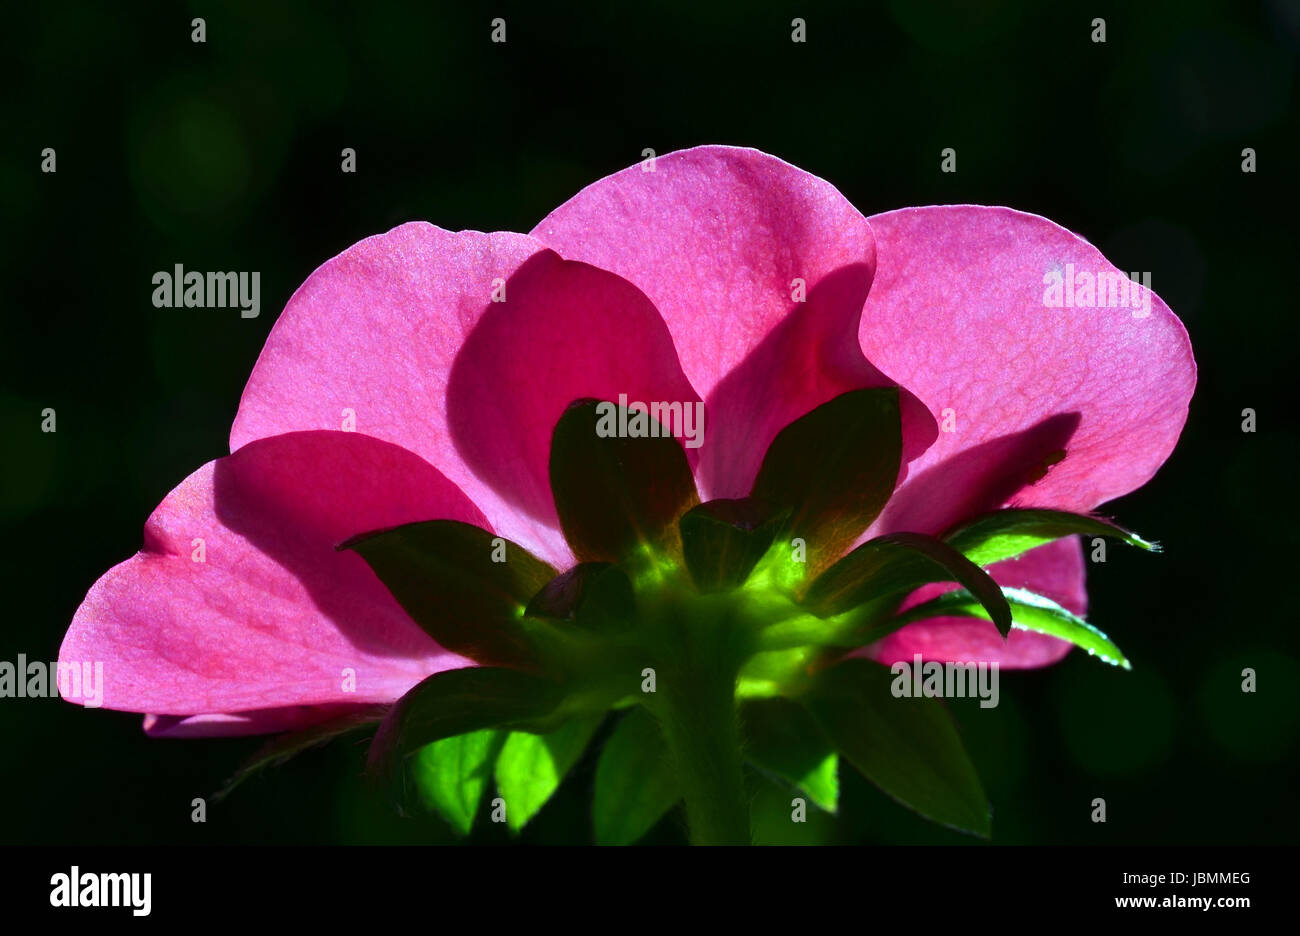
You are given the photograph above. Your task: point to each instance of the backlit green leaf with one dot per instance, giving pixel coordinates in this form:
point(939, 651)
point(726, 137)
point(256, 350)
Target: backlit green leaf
point(531, 766)
point(776, 819)
point(782, 738)
point(908, 747)
point(460, 701)
point(1029, 611)
point(1008, 533)
point(635, 783)
point(452, 774)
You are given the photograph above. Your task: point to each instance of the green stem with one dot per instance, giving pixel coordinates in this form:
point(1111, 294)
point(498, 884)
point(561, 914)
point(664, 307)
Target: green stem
point(695, 701)
point(698, 716)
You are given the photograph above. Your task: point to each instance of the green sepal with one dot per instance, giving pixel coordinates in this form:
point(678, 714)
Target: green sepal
point(891, 566)
point(596, 596)
point(447, 577)
point(618, 499)
point(833, 470)
point(723, 540)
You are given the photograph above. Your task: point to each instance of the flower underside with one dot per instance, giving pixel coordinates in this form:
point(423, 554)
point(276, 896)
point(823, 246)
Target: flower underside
point(564, 588)
point(722, 632)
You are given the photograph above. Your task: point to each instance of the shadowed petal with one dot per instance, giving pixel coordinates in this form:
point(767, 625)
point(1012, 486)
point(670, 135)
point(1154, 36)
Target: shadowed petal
point(273, 615)
point(374, 331)
point(567, 331)
point(1053, 407)
point(722, 239)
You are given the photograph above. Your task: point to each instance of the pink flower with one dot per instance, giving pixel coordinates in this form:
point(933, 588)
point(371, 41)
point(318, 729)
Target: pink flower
point(677, 284)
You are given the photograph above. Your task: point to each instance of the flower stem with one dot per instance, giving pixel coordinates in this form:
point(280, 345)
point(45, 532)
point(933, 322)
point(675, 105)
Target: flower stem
point(703, 735)
point(696, 707)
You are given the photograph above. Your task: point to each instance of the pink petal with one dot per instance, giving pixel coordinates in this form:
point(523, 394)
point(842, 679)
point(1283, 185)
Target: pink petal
point(957, 315)
point(715, 236)
point(275, 615)
point(375, 330)
point(566, 331)
point(1054, 570)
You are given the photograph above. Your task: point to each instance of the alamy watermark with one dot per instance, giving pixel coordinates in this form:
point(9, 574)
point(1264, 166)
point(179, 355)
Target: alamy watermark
point(935, 680)
point(1083, 289)
point(76, 682)
point(195, 290)
point(638, 420)
point(76, 889)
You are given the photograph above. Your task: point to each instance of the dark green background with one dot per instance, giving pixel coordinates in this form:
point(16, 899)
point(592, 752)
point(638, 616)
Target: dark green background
point(226, 156)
